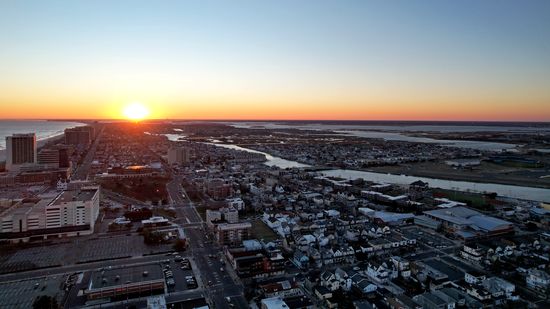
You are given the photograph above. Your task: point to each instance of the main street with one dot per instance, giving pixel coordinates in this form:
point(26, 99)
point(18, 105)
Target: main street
point(220, 282)
point(184, 207)
point(81, 172)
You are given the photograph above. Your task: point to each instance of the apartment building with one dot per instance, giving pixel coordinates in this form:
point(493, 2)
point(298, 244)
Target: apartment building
point(79, 135)
point(179, 156)
point(232, 233)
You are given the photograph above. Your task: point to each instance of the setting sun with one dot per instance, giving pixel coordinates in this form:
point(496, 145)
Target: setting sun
point(135, 111)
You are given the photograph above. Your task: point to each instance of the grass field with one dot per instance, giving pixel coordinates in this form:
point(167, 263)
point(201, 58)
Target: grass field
point(201, 210)
point(143, 189)
point(475, 200)
point(164, 213)
point(262, 231)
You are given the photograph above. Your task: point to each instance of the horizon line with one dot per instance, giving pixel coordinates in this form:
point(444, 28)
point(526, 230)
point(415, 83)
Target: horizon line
point(275, 120)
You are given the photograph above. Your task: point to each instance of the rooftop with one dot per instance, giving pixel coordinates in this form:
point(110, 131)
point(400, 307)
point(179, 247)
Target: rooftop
point(25, 207)
point(392, 216)
point(274, 303)
point(120, 276)
point(466, 216)
point(231, 226)
point(71, 196)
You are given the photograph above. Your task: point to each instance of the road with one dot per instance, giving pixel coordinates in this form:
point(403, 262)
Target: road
point(83, 169)
point(123, 199)
point(219, 281)
point(185, 209)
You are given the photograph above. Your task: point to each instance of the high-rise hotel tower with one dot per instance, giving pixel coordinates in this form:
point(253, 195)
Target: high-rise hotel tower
point(20, 150)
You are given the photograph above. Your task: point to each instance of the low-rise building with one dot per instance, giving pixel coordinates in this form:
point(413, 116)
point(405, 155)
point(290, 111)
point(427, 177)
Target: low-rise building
point(472, 254)
point(255, 263)
point(283, 289)
point(537, 279)
point(498, 286)
point(236, 203)
point(468, 223)
point(229, 215)
point(232, 233)
point(125, 282)
point(218, 189)
point(435, 300)
point(273, 303)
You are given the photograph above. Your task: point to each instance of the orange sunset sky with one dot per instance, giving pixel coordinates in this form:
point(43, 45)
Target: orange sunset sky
point(356, 60)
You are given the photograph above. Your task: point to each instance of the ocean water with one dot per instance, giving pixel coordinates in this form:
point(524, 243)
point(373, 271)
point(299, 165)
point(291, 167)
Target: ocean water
point(43, 129)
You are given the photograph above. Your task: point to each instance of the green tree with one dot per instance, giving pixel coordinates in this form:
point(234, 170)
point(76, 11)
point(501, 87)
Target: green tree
point(180, 244)
point(45, 302)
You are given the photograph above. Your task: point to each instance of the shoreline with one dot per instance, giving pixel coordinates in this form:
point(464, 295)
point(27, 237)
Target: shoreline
point(482, 177)
point(511, 191)
point(39, 144)
point(399, 171)
point(474, 179)
point(436, 176)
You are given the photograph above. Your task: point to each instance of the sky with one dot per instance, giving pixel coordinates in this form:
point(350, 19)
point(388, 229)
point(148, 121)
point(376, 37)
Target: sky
point(356, 60)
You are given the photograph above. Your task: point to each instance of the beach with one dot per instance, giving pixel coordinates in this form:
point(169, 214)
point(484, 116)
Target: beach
point(45, 131)
point(39, 144)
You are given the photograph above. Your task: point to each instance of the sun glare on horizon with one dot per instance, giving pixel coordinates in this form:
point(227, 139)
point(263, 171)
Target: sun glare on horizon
point(135, 111)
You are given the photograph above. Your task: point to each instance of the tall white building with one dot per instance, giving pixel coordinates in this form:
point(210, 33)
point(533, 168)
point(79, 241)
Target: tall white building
point(74, 208)
point(20, 150)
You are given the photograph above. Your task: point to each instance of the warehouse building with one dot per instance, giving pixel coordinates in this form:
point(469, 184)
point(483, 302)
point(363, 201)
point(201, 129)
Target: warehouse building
point(125, 282)
point(467, 223)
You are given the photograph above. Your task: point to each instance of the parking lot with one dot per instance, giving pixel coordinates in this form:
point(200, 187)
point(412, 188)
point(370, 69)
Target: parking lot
point(458, 263)
point(21, 294)
point(109, 247)
point(36, 257)
point(76, 250)
point(427, 237)
point(179, 274)
point(453, 273)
